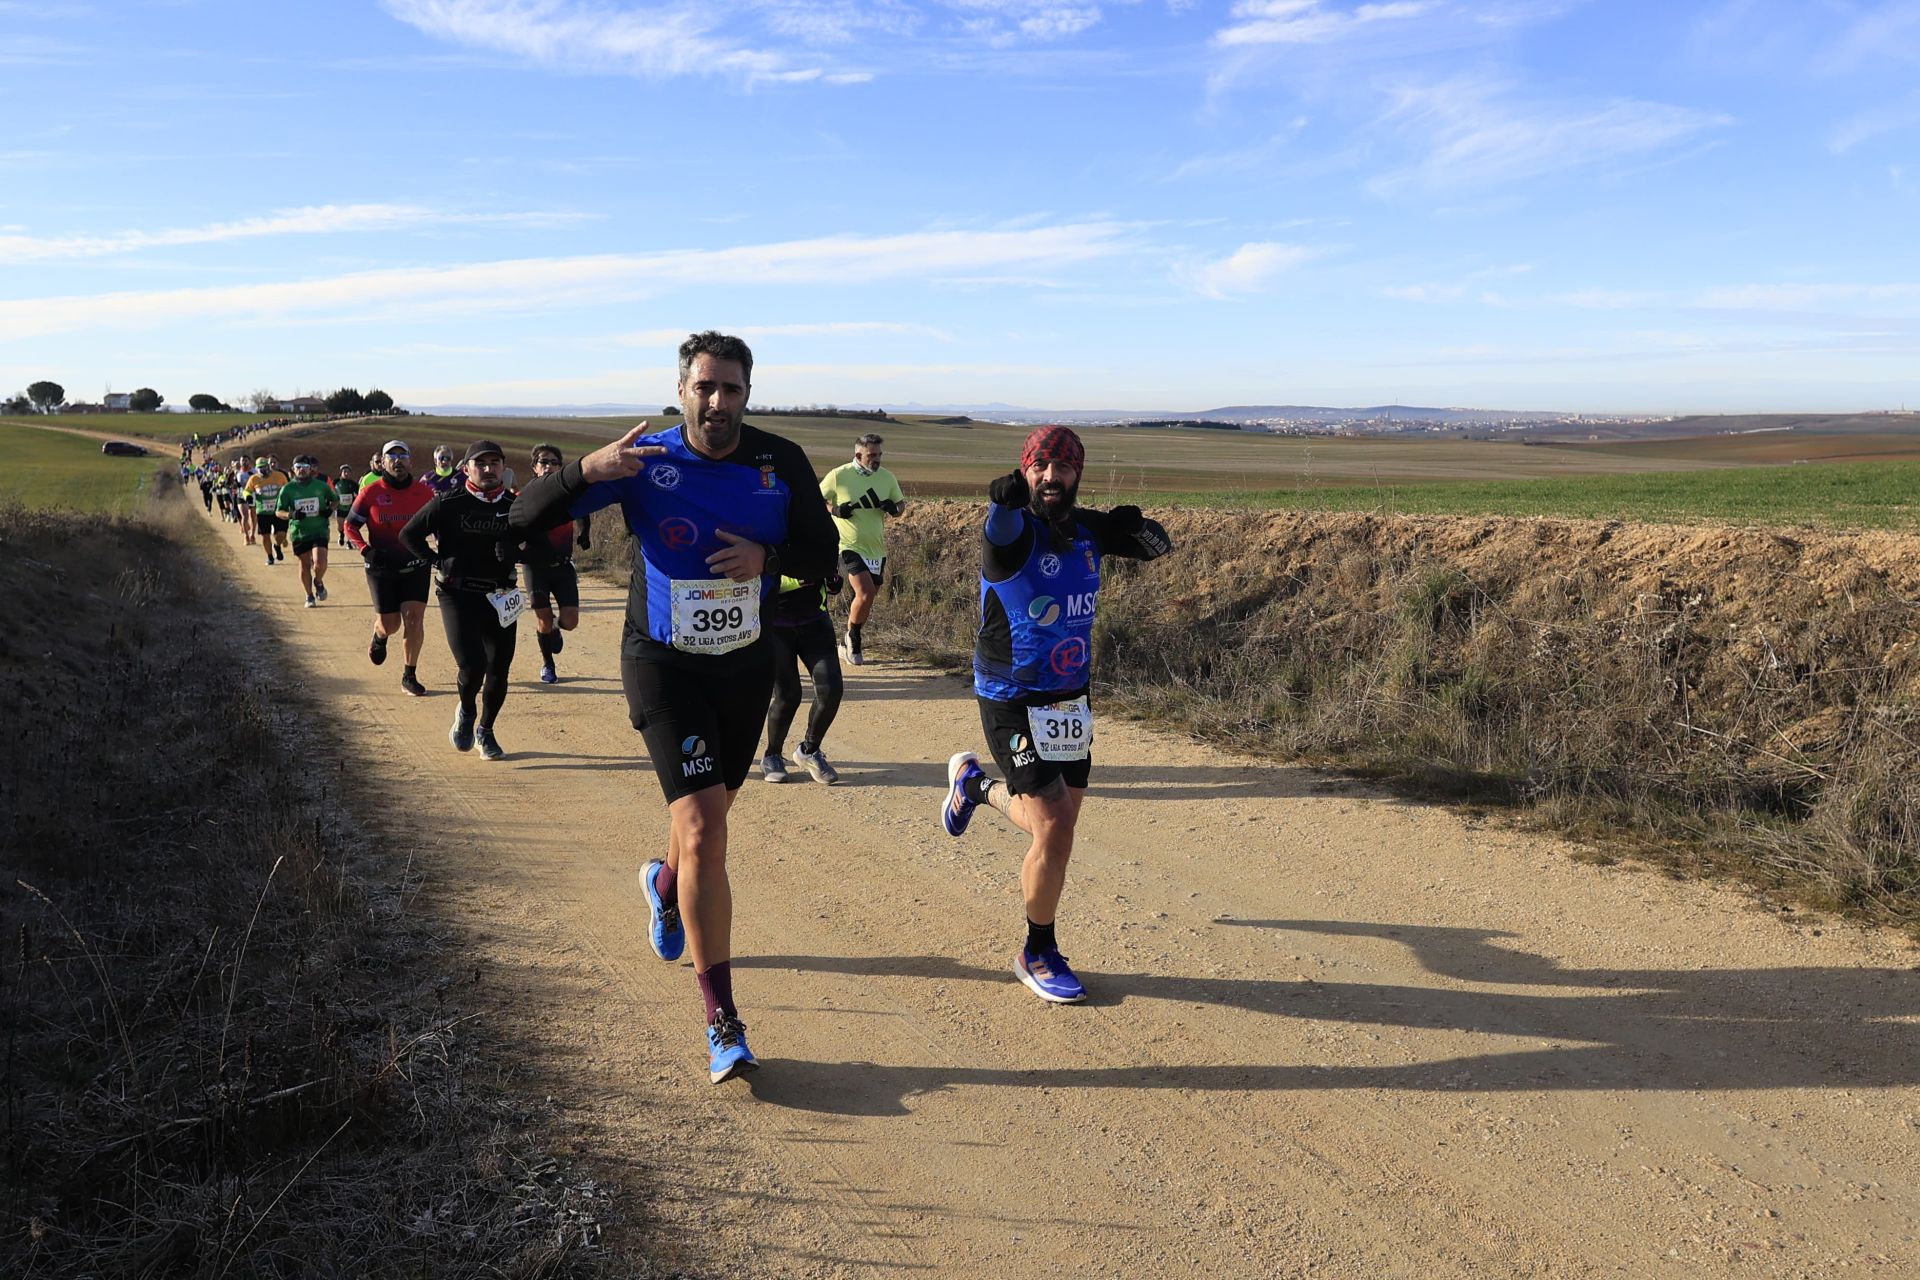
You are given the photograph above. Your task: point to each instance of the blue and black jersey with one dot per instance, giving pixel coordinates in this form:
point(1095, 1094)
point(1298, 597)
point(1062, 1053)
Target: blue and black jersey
point(763, 491)
point(1039, 585)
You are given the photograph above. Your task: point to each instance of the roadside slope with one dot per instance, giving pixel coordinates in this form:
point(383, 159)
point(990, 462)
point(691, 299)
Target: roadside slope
point(1332, 1034)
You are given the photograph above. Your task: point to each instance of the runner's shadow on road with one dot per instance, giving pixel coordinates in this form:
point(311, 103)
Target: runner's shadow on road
point(1648, 1030)
point(566, 760)
point(1126, 781)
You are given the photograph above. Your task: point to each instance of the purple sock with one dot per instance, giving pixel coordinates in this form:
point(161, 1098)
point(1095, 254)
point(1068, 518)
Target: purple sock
point(663, 882)
point(716, 988)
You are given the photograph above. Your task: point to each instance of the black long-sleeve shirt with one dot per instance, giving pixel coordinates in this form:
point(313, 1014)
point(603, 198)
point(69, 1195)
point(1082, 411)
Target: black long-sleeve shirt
point(474, 548)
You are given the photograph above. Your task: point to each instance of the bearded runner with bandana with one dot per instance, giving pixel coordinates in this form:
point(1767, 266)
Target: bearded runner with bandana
point(1039, 583)
point(719, 511)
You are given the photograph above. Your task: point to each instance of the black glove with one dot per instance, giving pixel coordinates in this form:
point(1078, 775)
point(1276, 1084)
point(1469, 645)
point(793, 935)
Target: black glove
point(1125, 521)
point(889, 506)
point(371, 554)
point(833, 584)
point(1010, 490)
point(844, 511)
point(584, 539)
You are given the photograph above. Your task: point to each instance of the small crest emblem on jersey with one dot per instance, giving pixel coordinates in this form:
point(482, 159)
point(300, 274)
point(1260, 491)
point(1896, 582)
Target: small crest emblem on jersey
point(1050, 565)
point(766, 477)
point(664, 476)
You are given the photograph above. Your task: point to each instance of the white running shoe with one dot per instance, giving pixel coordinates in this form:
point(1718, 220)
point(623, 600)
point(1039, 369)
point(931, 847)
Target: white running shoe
point(773, 769)
point(816, 764)
point(846, 651)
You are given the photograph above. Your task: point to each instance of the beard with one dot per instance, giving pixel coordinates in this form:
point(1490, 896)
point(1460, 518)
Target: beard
point(716, 434)
point(1052, 502)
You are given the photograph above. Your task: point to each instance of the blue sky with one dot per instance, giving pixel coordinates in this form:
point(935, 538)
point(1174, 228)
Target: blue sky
point(1598, 206)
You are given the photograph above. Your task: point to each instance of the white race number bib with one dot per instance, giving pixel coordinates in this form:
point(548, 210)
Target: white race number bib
point(874, 563)
point(509, 604)
point(715, 615)
point(306, 506)
point(1062, 730)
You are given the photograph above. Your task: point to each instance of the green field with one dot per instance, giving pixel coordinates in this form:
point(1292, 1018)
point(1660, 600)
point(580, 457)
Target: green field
point(53, 469)
point(1766, 478)
point(1881, 495)
point(169, 427)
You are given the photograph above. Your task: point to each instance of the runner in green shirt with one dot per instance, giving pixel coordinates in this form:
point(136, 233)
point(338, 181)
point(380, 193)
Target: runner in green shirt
point(862, 494)
point(345, 489)
point(307, 503)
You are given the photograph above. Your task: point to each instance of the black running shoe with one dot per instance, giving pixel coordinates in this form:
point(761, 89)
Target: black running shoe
point(410, 684)
point(377, 649)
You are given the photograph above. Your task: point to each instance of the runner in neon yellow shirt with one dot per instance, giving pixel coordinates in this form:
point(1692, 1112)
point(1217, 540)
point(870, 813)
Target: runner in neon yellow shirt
point(862, 494)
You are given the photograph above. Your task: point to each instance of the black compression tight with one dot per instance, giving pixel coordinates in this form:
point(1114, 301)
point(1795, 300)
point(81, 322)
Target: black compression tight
point(812, 645)
point(482, 650)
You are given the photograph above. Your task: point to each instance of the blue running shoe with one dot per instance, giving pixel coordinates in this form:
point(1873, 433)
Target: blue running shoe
point(1048, 977)
point(956, 811)
point(548, 675)
point(665, 931)
point(727, 1043)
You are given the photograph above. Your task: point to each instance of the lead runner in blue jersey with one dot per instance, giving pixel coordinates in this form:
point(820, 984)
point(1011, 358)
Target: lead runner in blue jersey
point(718, 510)
point(1040, 560)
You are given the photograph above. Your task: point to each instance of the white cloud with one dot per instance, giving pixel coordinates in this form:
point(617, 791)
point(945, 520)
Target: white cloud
point(547, 283)
point(1308, 21)
point(830, 329)
point(657, 43)
point(1252, 268)
point(312, 220)
point(1473, 134)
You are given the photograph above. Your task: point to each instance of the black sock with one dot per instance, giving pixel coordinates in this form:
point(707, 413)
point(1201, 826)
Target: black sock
point(853, 635)
point(407, 672)
point(547, 646)
point(807, 748)
point(975, 787)
point(1039, 938)
point(559, 640)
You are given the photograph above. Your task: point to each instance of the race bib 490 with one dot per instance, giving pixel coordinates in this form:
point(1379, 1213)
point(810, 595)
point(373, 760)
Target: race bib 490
point(715, 615)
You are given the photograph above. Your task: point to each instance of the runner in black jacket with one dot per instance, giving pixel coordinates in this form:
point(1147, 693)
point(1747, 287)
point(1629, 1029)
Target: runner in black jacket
point(474, 554)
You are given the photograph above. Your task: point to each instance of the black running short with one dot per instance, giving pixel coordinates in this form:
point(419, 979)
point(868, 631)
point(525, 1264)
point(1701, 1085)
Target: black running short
point(701, 730)
point(303, 545)
point(548, 584)
point(1010, 738)
point(390, 590)
point(268, 522)
point(852, 562)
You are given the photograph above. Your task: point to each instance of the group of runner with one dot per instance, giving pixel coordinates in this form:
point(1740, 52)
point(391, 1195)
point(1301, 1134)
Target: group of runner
point(737, 548)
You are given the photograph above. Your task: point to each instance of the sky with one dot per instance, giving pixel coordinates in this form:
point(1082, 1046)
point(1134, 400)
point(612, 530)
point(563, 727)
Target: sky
point(1629, 206)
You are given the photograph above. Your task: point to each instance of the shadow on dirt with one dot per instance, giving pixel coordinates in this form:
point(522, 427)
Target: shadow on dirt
point(1627, 1029)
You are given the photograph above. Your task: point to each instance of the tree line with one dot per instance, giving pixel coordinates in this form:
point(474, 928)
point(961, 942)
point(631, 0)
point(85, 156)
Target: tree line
point(47, 396)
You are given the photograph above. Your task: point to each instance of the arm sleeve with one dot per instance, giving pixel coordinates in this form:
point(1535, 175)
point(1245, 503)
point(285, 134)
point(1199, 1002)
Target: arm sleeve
point(1005, 543)
point(813, 543)
point(414, 536)
point(559, 496)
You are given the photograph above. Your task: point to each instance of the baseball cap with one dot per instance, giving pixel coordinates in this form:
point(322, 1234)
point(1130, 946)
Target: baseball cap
point(396, 447)
point(480, 448)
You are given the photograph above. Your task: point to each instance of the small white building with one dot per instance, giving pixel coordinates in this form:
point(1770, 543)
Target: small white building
point(119, 402)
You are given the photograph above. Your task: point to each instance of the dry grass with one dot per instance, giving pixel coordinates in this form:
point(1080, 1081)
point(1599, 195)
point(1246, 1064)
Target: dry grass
point(1718, 700)
point(231, 1050)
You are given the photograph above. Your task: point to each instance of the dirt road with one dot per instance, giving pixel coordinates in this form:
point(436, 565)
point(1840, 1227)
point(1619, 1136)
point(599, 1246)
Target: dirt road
point(1331, 1033)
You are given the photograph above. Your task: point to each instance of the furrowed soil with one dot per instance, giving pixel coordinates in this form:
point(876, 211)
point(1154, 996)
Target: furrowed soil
point(1331, 1033)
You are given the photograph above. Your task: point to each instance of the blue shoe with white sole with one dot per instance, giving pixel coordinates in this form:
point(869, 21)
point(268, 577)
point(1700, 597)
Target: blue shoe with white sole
point(1048, 977)
point(664, 930)
point(727, 1048)
point(956, 811)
